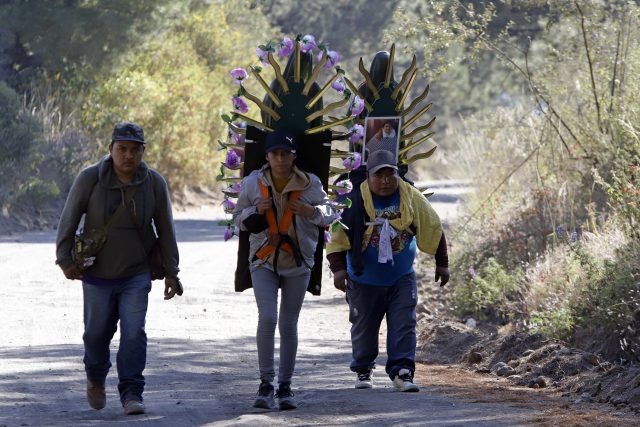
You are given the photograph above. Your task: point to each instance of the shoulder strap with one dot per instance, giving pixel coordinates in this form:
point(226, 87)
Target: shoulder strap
point(128, 196)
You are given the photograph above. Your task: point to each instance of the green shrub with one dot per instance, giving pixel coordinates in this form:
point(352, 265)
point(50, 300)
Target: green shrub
point(489, 293)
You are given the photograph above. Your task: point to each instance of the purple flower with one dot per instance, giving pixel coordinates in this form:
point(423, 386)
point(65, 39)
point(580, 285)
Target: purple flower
point(327, 236)
point(339, 85)
point(472, 272)
point(228, 205)
point(237, 138)
point(286, 47)
point(233, 160)
point(238, 75)
point(357, 133)
point(236, 187)
point(307, 43)
point(357, 105)
point(334, 57)
point(353, 161)
point(346, 185)
point(239, 106)
point(574, 236)
point(262, 55)
point(560, 231)
point(228, 233)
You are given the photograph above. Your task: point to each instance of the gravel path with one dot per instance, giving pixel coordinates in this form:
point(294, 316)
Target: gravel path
point(202, 363)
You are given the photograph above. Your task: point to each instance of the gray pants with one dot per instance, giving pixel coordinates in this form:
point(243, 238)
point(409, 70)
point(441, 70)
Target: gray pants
point(265, 289)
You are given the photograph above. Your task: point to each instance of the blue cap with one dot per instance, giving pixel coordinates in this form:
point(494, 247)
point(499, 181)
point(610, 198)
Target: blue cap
point(280, 139)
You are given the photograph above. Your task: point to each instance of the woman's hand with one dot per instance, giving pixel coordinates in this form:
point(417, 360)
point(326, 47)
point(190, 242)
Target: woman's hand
point(263, 205)
point(302, 209)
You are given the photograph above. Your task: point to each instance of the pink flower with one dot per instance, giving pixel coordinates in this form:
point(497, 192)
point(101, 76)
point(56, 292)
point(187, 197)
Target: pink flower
point(346, 185)
point(262, 55)
point(239, 106)
point(286, 47)
point(233, 160)
point(357, 133)
point(228, 233)
point(307, 43)
point(238, 75)
point(339, 85)
point(228, 205)
point(353, 161)
point(357, 105)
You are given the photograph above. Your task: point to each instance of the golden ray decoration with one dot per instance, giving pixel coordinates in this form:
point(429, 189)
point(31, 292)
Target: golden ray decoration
point(240, 166)
point(270, 111)
point(417, 116)
point(314, 74)
point(237, 129)
point(413, 145)
point(337, 171)
point(418, 157)
point(279, 77)
point(416, 131)
point(318, 95)
point(326, 126)
point(415, 102)
point(404, 78)
point(325, 110)
point(225, 144)
point(354, 90)
point(369, 80)
point(253, 122)
point(341, 154)
point(231, 179)
point(387, 79)
point(296, 69)
point(266, 87)
point(412, 79)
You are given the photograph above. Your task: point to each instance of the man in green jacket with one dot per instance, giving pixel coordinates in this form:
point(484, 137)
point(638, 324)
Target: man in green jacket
point(122, 201)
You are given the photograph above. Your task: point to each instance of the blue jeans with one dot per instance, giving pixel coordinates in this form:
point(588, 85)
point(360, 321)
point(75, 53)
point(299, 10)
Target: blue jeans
point(368, 305)
point(104, 305)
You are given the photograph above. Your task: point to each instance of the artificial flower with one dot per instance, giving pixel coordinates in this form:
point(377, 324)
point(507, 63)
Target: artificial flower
point(346, 187)
point(357, 105)
point(286, 47)
point(239, 106)
point(353, 161)
point(357, 132)
point(339, 85)
point(238, 75)
point(307, 43)
point(233, 160)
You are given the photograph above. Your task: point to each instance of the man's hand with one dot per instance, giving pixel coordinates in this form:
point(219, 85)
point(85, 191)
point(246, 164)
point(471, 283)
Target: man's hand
point(72, 272)
point(442, 274)
point(170, 287)
point(303, 209)
point(263, 205)
point(340, 280)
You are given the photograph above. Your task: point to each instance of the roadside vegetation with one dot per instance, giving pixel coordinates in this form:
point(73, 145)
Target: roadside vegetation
point(550, 242)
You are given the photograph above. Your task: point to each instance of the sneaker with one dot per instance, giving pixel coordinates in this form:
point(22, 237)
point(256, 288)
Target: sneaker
point(285, 397)
point(264, 398)
point(364, 379)
point(404, 381)
point(96, 395)
point(133, 407)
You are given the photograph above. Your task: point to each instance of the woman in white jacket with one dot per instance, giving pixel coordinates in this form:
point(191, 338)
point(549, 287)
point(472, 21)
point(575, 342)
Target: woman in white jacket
point(284, 209)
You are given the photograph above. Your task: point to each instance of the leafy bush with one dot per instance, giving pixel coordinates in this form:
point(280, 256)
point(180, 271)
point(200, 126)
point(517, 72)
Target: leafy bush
point(20, 142)
point(490, 293)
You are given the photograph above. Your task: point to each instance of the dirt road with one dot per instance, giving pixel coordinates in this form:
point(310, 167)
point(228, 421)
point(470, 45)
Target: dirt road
point(202, 363)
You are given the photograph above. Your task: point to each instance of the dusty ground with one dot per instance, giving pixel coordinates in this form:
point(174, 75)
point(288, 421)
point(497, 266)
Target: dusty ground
point(202, 366)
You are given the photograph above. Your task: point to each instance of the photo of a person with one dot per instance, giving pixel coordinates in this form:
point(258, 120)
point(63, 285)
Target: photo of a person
point(381, 133)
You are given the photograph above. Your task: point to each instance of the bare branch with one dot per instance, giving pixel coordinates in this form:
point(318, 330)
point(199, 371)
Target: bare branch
point(590, 63)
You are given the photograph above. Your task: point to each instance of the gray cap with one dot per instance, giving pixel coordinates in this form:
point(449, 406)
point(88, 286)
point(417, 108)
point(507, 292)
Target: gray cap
point(381, 159)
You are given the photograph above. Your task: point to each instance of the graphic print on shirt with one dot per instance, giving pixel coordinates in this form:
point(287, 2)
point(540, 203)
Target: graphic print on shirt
point(401, 240)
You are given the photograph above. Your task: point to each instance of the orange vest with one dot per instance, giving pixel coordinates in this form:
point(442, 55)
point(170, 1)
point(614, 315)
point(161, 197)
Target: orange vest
point(276, 228)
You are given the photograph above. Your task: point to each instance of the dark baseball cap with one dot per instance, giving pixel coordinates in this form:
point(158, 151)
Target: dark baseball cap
point(128, 131)
point(379, 159)
point(280, 139)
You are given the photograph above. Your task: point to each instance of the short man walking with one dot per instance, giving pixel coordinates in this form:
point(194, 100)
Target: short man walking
point(123, 201)
point(373, 262)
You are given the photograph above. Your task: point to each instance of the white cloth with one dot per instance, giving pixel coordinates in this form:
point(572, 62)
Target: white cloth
point(387, 233)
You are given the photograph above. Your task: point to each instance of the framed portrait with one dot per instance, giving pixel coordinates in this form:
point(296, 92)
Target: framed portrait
point(381, 133)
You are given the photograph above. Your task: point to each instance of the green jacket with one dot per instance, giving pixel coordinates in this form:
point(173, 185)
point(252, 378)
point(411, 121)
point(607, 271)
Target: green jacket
point(97, 192)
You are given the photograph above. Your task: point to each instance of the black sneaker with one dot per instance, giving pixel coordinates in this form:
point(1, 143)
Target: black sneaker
point(285, 397)
point(264, 399)
point(364, 379)
point(403, 381)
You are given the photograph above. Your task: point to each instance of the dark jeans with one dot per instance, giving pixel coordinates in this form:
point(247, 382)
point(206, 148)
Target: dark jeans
point(367, 306)
point(104, 305)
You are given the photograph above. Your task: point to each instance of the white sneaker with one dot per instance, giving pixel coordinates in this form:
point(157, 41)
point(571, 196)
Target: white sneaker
point(404, 381)
point(364, 379)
